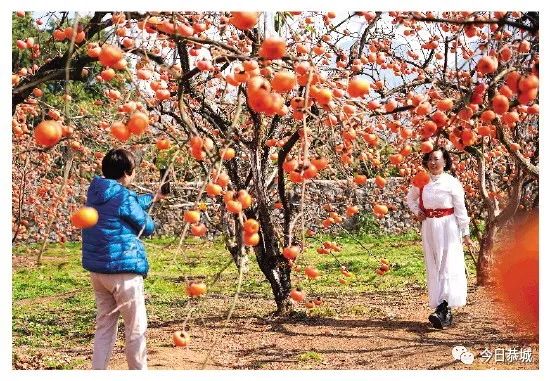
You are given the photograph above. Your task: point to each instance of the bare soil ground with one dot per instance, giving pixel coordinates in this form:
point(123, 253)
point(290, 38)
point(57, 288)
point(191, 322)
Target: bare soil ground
point(372, 331)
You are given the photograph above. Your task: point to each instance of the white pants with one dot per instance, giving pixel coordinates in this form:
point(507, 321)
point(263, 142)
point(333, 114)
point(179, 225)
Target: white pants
point(444, 260)
point(115, 295)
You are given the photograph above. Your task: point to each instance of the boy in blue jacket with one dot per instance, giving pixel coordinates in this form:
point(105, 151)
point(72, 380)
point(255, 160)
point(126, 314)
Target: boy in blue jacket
point(116, 259)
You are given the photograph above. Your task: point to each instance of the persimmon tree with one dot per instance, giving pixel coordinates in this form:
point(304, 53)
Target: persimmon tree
point(255, 107)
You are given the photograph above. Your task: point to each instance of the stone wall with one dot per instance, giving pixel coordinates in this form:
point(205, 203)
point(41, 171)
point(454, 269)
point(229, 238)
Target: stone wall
point(339, 194)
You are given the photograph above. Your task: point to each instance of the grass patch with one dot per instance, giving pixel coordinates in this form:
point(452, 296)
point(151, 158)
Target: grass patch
point(323, 311)
point(310, 356)
point(362, 258)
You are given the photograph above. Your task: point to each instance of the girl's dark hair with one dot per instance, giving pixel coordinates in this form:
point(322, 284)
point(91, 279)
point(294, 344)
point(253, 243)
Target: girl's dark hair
point(446, 157)
point(117, 163)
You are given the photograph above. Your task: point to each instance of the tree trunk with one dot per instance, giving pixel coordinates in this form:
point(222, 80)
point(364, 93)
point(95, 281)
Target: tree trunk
point(277, 272)
point(484, 260)
point(270, 260)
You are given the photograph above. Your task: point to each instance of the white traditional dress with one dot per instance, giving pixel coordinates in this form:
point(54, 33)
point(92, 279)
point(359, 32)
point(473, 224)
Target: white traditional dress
point(442, 239)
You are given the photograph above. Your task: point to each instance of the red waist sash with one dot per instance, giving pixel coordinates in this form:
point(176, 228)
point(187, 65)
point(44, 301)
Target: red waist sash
point(436, 213)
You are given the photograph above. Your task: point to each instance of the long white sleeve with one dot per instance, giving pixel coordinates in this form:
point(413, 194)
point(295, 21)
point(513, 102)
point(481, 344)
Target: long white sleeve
point(457, 191)
point(412, 199)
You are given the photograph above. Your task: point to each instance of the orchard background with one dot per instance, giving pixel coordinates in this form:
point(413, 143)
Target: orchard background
point(249, 114)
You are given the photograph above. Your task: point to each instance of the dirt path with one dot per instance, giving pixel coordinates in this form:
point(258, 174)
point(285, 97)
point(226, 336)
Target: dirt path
point(374, 331)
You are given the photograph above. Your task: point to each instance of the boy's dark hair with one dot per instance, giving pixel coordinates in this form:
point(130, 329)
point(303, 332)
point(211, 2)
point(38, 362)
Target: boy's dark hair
point(446, 157)
point(117, 163)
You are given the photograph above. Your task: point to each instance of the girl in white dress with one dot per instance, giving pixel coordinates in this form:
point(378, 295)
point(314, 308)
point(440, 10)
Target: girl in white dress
point(444, 228)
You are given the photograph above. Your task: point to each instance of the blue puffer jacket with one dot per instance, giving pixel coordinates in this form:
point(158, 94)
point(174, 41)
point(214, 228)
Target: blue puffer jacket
point(112, 246)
